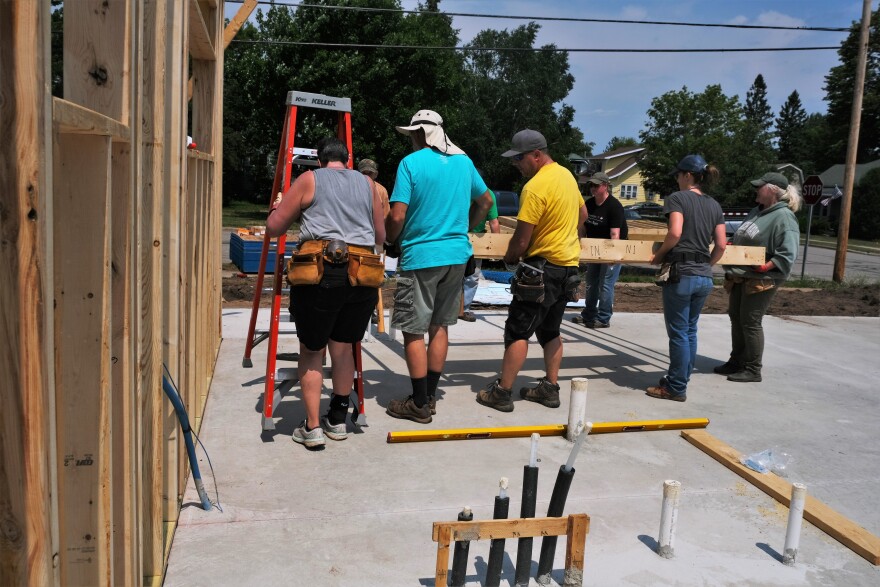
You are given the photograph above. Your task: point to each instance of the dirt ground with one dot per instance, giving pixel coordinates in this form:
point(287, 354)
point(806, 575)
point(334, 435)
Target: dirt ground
point(238, 291)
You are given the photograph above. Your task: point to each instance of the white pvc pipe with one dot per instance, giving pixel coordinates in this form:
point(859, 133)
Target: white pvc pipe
point(795, 517)
point(668, 517)
point(577, 408)
point(533, 454)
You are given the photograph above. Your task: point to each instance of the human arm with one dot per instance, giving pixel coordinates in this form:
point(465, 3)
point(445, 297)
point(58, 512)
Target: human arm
point(519, 242)
point(673, 235)
point(479, 209)
point(378, 213)
point(298, 197)
point(494, 225)
point(720, 244)
point(582, 218)
point(782, 251)
point(394, 222)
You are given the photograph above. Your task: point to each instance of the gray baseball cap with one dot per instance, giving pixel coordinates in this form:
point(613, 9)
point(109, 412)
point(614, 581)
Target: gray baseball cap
point(525, 141)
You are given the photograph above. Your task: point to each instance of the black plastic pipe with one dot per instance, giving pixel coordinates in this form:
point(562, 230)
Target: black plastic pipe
point(527, 510)
point(460, 553)
point(496, 546)
point(555, 510)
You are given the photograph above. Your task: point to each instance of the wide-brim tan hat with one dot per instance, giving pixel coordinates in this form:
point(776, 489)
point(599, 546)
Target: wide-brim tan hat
point(435, 136)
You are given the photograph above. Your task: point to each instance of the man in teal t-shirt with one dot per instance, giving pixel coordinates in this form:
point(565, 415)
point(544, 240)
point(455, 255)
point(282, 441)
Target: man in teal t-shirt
point(431, 212)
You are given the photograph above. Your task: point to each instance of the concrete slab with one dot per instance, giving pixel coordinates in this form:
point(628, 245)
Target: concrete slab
point(360, 512)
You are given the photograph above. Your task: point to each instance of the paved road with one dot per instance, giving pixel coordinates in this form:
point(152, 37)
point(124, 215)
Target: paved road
point(820, 262)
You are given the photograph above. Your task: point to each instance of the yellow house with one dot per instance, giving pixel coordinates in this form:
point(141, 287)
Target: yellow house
point(622, 166)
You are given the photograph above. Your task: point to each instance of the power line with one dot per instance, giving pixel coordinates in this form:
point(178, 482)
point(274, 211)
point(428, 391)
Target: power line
point(531, 49)
point(553, 18)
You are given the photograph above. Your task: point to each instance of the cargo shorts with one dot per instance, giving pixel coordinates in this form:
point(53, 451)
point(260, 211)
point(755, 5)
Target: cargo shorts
point(427, 296)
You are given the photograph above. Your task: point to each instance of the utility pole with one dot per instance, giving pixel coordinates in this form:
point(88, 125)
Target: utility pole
point(852, 145)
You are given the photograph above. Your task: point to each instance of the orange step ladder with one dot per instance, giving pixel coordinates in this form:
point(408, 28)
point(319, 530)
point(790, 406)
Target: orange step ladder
point(288, 155)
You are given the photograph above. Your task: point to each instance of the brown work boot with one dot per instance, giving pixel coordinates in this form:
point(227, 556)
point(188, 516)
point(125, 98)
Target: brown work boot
point(495, 396)
point(545, 393)
point(406, 409)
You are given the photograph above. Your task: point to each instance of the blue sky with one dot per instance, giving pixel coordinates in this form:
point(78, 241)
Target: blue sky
point(612, 92)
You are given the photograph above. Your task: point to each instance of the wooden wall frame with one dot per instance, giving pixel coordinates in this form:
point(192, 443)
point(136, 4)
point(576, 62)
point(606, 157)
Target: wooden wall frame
point(97, 191)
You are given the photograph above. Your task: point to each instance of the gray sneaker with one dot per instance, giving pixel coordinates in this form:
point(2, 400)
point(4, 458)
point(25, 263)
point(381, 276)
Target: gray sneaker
point(334, 431)
point(432, 404)
point(545, 393)
point(311, 439)
point(495, 396)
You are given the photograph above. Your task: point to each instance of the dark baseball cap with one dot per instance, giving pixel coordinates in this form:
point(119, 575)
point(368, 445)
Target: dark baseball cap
point(599, 178)
point(691, 163)
point(525, 141)
point(776, 179)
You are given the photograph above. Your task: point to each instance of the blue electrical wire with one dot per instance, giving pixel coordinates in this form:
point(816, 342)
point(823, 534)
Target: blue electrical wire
point(173, 394)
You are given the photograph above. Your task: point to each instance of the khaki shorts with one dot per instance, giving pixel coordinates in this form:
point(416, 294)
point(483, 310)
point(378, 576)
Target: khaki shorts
point(427, 296)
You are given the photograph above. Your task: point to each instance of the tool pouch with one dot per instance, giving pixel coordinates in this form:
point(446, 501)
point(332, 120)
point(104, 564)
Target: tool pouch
point(572, 286)
point(667, 274)
point(754, 286)
point(306, 264)
point(527, 284)
point(365, 268)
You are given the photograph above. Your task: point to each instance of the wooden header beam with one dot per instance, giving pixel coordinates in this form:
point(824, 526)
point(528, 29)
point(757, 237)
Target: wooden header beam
point(597, 250)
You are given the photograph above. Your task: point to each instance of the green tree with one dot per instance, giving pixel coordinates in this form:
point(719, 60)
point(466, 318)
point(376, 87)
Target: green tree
point(839, 84)
point(507, 91)
point(757, 111)
point(709, 123)
point(816, 137)
point(386, 85)
point(865, 217)
point(790, 125)
point(620, 143)
point(757, 124)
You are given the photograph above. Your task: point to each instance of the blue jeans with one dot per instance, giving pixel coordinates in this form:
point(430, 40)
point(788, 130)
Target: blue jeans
point(470, 285)
point(599, 303)
point(682, 303)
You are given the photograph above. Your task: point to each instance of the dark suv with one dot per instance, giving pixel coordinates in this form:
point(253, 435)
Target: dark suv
point(507, 202)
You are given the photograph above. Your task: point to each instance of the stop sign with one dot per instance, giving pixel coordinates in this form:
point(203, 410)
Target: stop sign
point(812, 190)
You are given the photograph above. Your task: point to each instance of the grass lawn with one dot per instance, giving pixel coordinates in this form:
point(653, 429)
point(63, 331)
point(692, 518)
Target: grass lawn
point(244, 214)
point(854, 245)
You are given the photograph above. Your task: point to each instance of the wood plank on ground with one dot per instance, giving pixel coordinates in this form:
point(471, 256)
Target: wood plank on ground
point(597, 250)
point(834, 524)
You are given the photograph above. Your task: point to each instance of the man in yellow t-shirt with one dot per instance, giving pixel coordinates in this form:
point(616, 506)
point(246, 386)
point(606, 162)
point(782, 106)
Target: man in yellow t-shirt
point(546, 239)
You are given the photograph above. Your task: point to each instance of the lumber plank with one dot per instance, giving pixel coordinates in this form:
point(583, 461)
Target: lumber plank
point(97, 56)
point(75, 119)
point(27, 449)
point(244, 12)
point(442, 568)
point(82, 362)
point(124, 414)
point(493, 529)
point(595, 250)
point(200, 44)
point(578, 527)
point(834, 524)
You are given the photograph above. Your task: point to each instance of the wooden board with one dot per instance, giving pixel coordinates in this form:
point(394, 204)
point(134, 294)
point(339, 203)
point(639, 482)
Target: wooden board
point(595, 250)
point(82, 325)
point(26, 385)
point(837, 526)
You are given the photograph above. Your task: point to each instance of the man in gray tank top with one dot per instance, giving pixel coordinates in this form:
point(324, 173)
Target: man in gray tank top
point(331, 203)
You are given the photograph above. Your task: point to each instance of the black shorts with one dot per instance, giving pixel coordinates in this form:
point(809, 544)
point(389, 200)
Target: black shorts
point(527, 318)
point(331, 313)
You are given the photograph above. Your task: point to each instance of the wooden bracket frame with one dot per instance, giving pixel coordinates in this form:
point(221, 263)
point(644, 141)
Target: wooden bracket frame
point(575, 527)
